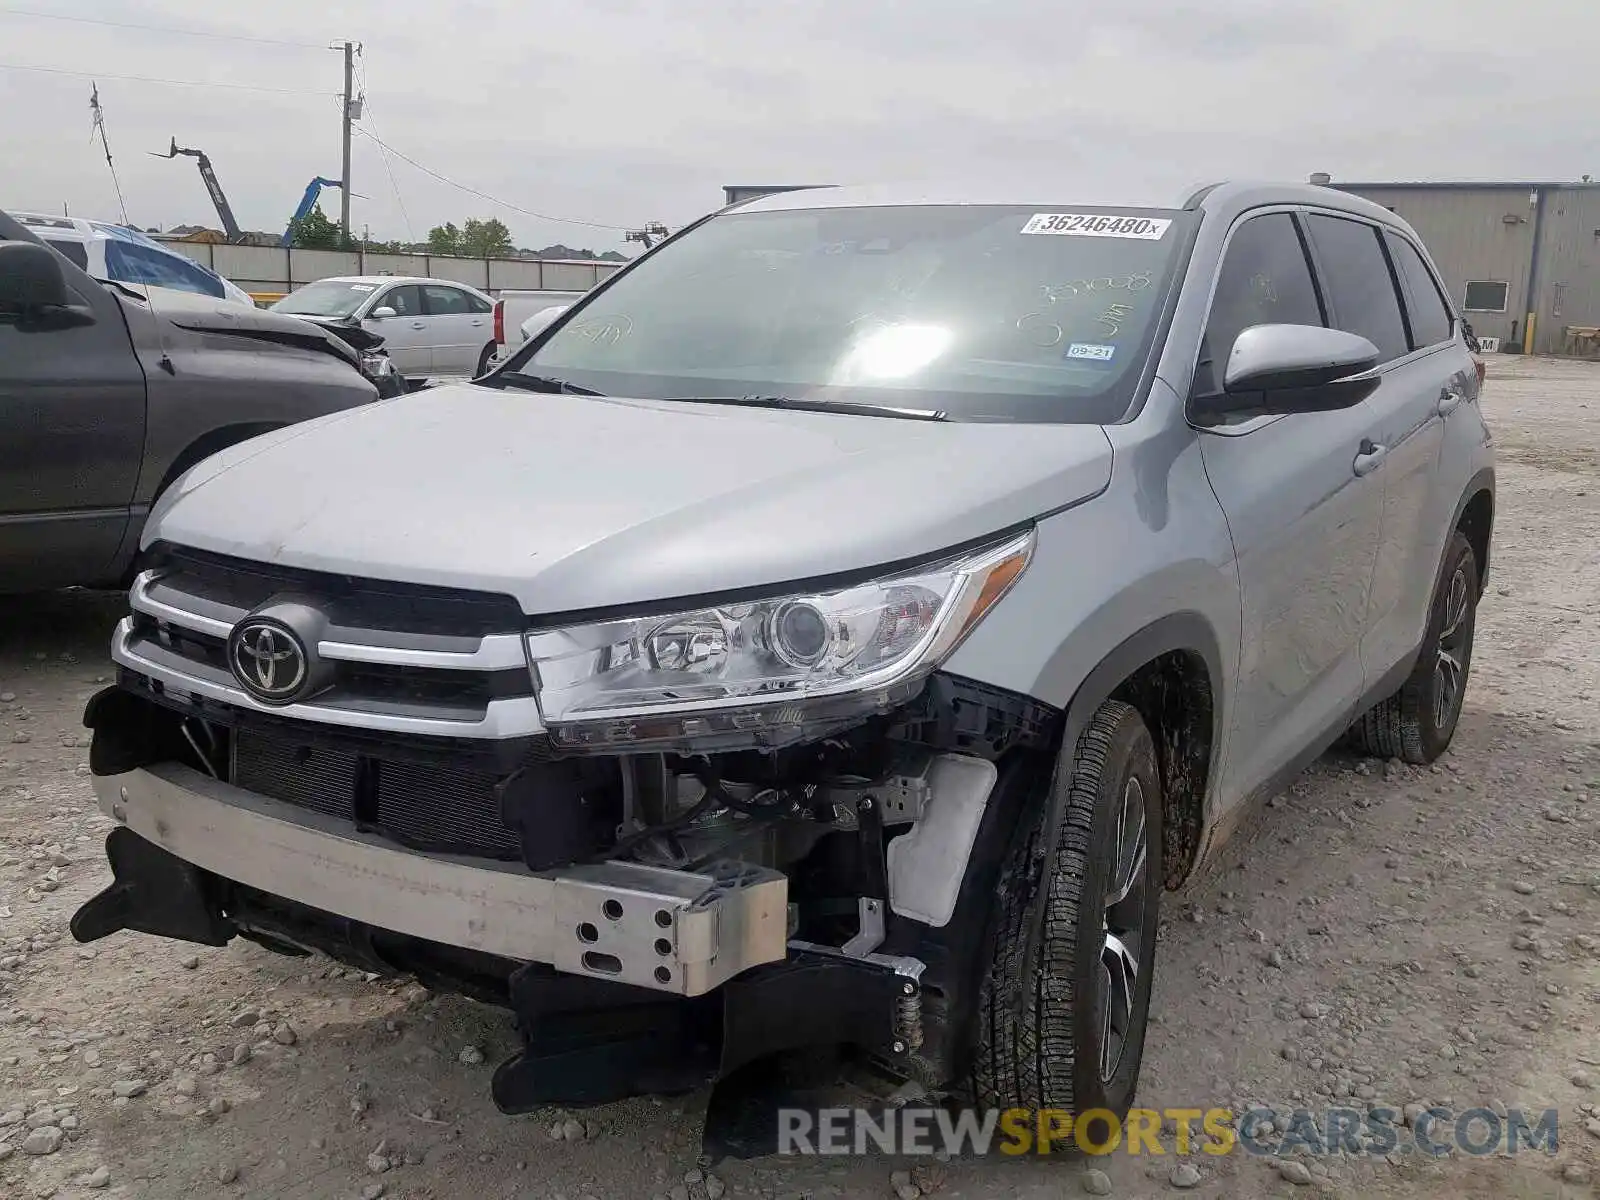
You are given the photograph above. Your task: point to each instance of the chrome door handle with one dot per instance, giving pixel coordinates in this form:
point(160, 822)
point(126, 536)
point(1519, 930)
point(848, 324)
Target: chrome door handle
point(1449, 400)
point(1369, 457)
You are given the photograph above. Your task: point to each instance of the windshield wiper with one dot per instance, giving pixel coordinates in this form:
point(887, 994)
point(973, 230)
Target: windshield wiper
point(539, 383)
point(830, 406)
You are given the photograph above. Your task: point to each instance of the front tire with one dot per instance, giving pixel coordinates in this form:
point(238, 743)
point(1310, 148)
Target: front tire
point(1417, 723)
point(1068, 1033)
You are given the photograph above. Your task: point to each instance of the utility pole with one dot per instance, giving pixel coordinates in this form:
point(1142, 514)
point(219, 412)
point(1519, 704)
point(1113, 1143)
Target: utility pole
point(99, 126)
point(349, 106)
point(652, 233)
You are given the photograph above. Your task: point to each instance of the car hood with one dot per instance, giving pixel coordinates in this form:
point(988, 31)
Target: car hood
point(214, 315)
point(569, 503)
point(346, 329)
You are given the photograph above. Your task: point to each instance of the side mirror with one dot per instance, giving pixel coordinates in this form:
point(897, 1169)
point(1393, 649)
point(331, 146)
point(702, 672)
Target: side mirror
point(1293, 369)
point(542, 318)
point(382, 313)
point(32, 282)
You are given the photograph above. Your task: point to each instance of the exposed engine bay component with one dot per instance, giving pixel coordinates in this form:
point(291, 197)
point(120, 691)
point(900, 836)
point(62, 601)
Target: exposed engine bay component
point(793, 881)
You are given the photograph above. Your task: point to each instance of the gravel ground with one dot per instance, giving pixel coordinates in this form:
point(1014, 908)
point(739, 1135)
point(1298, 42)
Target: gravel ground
point(1379, 933)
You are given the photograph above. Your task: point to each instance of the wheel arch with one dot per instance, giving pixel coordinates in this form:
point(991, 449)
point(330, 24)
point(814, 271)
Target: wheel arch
point(1171, 671)
point(212, 441)
point(1474, 517)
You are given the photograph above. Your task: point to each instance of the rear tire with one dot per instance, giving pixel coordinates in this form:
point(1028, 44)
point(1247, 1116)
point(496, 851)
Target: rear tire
point(1418, 721)
point(1070, 1035)
point(484, 360)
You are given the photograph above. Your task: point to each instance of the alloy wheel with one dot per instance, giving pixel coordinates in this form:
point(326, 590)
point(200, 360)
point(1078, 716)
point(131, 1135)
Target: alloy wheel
point(1449, 667)
point(1123, 928)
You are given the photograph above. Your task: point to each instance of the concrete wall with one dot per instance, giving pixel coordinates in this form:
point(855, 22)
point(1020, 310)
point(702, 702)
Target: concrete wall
point(268, 269)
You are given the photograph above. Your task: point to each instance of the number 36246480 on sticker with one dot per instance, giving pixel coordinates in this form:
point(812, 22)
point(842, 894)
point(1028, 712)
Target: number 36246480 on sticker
point(1149, 229)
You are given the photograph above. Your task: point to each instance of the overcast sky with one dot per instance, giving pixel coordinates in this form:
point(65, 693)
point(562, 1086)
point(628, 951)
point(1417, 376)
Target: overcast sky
point(624, 111)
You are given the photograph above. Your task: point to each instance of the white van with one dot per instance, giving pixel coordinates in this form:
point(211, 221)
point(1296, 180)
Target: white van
point(125, 255)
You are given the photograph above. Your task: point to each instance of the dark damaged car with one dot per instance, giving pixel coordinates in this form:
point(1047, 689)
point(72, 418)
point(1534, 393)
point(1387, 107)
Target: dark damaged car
point(109, 392)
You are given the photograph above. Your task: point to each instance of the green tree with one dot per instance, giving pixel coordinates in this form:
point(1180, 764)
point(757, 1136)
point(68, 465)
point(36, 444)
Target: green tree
point(444, 239)
point(486, 239)
point(475, 239)
point(315, 231)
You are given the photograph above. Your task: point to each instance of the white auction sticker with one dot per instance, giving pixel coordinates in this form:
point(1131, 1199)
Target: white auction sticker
point(363, 287)
point(1146, 229)
point(1097, 351)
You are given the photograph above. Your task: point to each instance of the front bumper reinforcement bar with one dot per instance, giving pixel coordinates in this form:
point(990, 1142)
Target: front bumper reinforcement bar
point(684, 933)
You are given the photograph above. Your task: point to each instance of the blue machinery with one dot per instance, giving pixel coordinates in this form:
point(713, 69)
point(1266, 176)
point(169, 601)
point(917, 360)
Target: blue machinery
point(307, 202)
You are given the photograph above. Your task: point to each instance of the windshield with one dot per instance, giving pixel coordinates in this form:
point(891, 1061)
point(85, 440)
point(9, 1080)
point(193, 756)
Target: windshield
point(328, 298)
point(979, 312)
point(134, 262)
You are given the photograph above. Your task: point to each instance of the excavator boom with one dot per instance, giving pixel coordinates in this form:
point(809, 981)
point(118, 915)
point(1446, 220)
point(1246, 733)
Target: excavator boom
point(209, 177)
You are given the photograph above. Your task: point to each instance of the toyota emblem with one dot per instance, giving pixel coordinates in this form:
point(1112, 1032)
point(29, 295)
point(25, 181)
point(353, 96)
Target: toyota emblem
point(268, 660)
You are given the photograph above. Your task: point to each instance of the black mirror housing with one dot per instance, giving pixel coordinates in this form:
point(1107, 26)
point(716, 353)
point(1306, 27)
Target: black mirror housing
point(31, 279)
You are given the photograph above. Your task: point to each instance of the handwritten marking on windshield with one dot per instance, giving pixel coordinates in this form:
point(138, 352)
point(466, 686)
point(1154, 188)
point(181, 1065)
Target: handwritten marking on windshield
point(603, 331)
point(1113, 318)
point(1136, 281)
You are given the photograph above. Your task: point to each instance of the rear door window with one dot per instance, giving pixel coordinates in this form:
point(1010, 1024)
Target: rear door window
point(444, 301)
point(1265, 280)
point(1360, 288)
point(1432, 321)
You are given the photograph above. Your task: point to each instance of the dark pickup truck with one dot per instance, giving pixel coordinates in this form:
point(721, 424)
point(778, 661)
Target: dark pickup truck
point(110, 392)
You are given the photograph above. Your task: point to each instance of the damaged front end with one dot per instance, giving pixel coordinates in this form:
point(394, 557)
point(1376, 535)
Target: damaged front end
point(657, 912)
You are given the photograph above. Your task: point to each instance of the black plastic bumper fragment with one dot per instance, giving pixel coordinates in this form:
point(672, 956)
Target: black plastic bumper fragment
point(808, 1000)
point(967, 717)
point(588, 1042)
point(153, 892)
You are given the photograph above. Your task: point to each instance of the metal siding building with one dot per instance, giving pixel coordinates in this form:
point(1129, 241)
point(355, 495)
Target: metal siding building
point(1543, 235)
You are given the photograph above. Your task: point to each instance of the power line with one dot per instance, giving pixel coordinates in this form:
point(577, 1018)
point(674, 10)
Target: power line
point(485, 195)
point(383, 153)
point(203, 83)
point(230, 37)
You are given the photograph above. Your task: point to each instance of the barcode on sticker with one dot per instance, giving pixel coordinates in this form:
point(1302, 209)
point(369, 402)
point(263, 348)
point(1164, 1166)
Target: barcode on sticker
point(1148, 229)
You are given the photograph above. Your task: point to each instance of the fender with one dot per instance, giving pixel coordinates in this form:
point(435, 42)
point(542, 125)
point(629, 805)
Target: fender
point(1187, 631)
point(1483, 481)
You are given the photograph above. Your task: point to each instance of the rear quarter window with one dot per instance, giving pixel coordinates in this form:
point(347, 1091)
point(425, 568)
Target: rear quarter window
point(73, 252)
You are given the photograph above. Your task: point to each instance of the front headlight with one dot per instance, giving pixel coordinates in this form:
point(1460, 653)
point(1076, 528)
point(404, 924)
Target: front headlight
point(764, 672)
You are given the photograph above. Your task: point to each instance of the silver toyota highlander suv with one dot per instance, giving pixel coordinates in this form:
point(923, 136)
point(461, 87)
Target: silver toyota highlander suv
point(838, 628)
